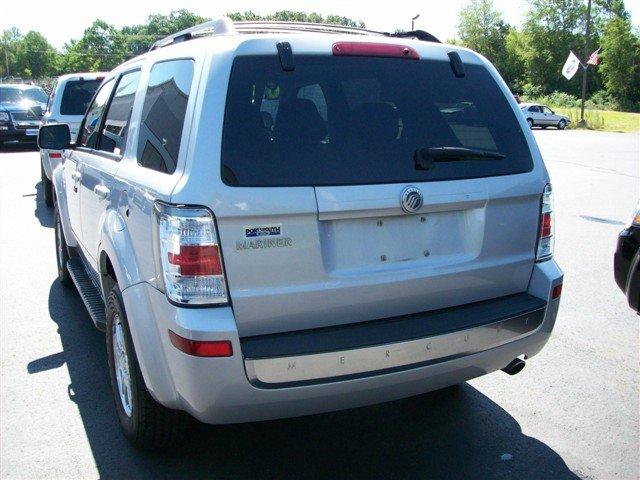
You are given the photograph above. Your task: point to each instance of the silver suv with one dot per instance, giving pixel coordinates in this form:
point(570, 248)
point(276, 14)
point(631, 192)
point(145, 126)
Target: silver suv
point(279, 219)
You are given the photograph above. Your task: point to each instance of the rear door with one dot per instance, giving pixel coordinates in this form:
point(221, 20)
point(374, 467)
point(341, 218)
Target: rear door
point(101, 164)
point(550, 117)
point(74, 165)
point(328, 218)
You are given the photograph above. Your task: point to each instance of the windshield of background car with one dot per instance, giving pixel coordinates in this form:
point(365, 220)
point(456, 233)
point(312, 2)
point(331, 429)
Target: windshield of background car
point(359, 120)
point(76, 96)
point(17, 95)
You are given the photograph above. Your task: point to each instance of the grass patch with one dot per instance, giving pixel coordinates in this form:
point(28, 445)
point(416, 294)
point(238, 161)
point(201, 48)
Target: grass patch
point(603, 120)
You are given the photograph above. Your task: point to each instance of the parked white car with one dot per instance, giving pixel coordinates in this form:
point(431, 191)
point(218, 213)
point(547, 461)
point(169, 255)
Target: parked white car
point(67, 104)
point(542, 116)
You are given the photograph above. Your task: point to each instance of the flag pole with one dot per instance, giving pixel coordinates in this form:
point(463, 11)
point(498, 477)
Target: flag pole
point(584, 67)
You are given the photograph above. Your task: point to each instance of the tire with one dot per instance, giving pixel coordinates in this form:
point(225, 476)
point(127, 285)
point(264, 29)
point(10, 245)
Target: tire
point(62, 252)
point(145, 423)
point(562, 124)
point(47, 188)
point(530, 122)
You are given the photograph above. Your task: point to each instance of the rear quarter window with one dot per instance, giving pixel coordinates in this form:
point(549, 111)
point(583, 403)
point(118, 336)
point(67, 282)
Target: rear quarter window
point(163, 114)
point(356, 120)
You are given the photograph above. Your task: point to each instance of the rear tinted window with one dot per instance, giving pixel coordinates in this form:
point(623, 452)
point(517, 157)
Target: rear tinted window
point(76, 96)
point(354, 120)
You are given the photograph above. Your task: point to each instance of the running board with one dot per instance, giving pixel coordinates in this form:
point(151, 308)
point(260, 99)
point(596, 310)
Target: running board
point(88, 292)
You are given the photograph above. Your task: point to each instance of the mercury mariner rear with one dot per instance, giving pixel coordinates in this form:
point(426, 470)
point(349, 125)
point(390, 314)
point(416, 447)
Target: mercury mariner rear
point(360, 219)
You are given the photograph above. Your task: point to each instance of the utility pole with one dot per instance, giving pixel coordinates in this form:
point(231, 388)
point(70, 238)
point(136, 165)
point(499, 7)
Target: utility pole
point(586, 58)
point(413, 19)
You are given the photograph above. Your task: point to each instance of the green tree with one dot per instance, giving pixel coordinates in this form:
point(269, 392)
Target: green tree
point(139, 38)
point(101, 48)
point(611, 8)
point(293, 16)
point(9, 65)
point(552, 28)
point(482, 28)
point(35, 56)
point(620, 59)
point(513, 64)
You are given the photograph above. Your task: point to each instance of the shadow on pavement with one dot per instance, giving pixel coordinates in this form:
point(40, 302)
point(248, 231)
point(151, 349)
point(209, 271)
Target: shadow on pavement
point(455, 433)
point(43, 213)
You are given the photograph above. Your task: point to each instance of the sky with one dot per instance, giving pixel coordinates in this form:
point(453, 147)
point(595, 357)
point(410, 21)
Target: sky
point(61, 20)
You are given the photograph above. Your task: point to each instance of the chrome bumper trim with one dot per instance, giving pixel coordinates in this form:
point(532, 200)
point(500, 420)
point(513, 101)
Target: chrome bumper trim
point(278, 371)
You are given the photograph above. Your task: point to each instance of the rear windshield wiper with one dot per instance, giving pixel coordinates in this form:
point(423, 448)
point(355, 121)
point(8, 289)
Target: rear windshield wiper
point(425, 157)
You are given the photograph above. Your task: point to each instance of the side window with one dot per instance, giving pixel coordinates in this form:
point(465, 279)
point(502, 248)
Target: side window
point(163, 114)
point(533, 109)
point(89, 134)
point(116, 124)
point(547, 110)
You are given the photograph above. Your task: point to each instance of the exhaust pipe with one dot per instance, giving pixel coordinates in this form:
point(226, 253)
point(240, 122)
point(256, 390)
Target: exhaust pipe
point(515, 366)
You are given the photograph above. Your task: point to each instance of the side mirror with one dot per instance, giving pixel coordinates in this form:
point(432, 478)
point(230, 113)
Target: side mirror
point(54, 137)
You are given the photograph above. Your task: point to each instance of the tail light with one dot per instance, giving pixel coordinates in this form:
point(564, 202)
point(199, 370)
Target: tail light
point(189, 255)
point(55, 155)
point(545, 234)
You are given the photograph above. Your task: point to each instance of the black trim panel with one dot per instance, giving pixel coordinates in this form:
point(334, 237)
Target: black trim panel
point(389, 330)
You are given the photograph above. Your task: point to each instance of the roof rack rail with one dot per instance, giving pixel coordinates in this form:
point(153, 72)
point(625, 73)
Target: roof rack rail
point(219, 26)
point(275, 26)
point(271, 26)
point(224, 26)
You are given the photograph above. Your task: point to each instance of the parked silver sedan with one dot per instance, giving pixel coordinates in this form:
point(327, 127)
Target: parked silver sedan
point(542, 116)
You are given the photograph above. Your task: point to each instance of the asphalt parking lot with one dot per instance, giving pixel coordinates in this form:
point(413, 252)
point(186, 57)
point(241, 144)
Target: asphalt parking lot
point(572, 412)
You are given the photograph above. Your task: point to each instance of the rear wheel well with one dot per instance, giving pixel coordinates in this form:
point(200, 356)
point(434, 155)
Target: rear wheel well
point(107, 274)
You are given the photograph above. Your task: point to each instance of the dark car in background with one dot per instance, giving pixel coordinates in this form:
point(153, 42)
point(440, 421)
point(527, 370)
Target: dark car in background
point(626, 261)
point(21, 110)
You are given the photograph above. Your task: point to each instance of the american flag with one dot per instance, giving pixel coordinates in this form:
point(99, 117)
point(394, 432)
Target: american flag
point(594, 58)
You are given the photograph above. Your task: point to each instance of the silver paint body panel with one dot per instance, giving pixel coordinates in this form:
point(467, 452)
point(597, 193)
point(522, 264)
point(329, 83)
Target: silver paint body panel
point(480, 234)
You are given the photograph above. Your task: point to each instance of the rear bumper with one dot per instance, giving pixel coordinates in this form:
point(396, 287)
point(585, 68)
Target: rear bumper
point(219, 390)
point(626, 265)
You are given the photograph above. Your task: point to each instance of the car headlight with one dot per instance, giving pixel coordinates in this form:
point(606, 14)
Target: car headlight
point(4, 117)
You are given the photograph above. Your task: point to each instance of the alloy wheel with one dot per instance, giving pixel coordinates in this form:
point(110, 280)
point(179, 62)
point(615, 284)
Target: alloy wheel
point(121, 365)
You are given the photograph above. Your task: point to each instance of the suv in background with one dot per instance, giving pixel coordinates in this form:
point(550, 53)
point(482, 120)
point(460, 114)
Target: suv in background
point(67, 103)
point(277, 219)
point(21, 109)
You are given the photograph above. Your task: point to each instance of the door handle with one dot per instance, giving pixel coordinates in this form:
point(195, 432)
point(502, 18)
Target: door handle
point(76, 175)
point(101, 191)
